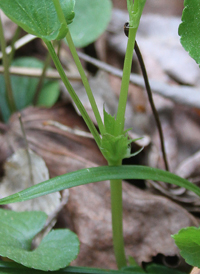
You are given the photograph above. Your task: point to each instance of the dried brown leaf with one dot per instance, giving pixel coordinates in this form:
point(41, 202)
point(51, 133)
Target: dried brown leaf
point(149, 221)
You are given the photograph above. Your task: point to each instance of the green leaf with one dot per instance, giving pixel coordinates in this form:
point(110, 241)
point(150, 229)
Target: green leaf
point(91, 20)
point(109, 122)
point(115, 147)
point(17, 230)
point(49, 94)
point(96, 174)
point(189, 28)
point(24, 88)
point(161, 269)
point(38, 17)
point(188, 241)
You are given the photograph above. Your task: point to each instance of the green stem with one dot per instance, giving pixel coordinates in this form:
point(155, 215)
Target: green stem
point(9, 93)
point(85, 83)
point(79, 66)
point(42, 78)
point(117, 224)
point(15, 37)
point(135, 11)
point(72, 93)
point(59, 12)
point(120, 118)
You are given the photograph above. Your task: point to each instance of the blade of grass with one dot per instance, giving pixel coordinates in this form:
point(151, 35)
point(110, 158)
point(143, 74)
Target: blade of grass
point(96, 174)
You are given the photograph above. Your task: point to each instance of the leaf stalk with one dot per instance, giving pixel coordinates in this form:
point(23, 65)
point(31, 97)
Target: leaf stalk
point(72, 93)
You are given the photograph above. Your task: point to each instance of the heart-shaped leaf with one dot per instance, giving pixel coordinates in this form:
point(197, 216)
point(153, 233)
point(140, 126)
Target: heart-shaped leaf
point(91, 19)
point(17, 230)
point(189, 28)
point(188, 241)
point(39, 17)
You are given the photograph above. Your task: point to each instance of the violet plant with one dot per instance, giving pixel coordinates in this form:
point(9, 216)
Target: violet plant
point(49, 20)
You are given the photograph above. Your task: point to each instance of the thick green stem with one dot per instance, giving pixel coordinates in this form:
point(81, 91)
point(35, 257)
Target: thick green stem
point(117, 224)
point(135, 11)
point(120, 118)
point(72, 93)
point(117, 219)
point(85, 83)
point(9, 93)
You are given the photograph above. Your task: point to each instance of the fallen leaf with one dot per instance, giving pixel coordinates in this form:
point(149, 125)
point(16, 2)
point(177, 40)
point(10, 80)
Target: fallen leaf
point(62, 151)
point(149, 221)
point(20, 175)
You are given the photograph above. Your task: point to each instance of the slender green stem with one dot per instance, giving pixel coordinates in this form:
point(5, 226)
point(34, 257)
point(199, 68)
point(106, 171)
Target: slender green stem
point(14, 39)
point(9, 93)
point(120, 118)
point(130, 7)
point(79, 66)
point(72, 93)
point(135, 11)
point(59, 11)
point(85, 83)
point(117, 219)
point(58, 48)
point(42, 77)
point(117, 224)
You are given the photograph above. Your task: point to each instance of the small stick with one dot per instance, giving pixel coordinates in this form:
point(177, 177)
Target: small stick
point(68, 129)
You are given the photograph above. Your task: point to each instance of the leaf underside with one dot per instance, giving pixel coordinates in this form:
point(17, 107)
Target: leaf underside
point(38, 17)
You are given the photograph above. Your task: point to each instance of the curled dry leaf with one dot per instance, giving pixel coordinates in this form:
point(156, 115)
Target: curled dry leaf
point(20, 174)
